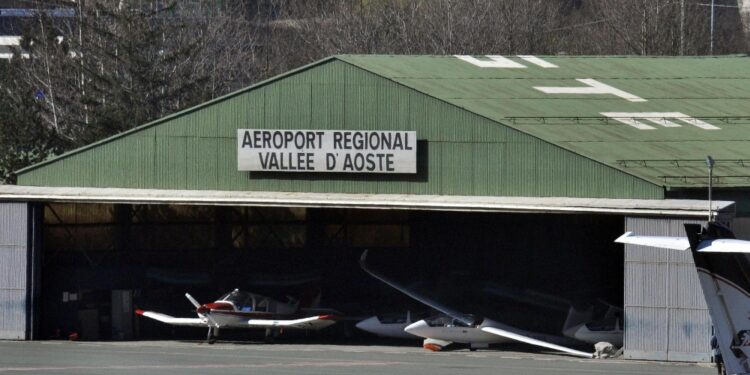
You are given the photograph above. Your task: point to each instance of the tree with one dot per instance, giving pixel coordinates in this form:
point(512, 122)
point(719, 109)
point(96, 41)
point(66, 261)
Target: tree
point(119, 64)
point(22, 141)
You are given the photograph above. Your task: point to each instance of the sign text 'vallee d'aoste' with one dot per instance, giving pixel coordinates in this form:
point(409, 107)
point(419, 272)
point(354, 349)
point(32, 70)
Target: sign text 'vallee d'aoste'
point(370, 151)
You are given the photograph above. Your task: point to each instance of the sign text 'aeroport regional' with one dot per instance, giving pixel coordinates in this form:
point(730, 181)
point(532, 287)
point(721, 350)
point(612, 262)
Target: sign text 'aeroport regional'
point(327, 151)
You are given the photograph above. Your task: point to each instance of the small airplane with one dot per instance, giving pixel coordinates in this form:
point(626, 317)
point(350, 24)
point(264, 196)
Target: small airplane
point(238, 309)
point(580, 324)
point(583, 327)
point(452, 326)
point(388, 325)
point(723, 268)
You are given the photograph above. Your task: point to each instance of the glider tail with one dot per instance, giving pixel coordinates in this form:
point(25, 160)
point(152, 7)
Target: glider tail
point(724, 273)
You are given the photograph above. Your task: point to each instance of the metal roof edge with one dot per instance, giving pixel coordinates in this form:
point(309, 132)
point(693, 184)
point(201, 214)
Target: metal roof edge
point(176, 114)
point(644, 207)
point(655, 183)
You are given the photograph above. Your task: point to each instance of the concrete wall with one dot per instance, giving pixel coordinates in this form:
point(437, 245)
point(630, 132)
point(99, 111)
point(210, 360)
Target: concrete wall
point(666, 317)
point(13, 270)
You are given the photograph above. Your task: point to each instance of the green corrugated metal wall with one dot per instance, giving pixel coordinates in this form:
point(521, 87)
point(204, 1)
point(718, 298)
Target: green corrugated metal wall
point(466, 153)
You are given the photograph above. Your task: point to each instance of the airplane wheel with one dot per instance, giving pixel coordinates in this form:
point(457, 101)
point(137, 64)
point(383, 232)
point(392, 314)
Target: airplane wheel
point(270, 336)
point(433, 347)
point(210, 338)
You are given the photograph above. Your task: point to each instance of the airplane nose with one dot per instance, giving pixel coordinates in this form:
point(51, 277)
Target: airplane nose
point(202, 309)
point(368, 324)
point(417, 328)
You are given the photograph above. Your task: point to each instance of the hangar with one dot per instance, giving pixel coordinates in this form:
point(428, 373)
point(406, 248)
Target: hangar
point(523, 171)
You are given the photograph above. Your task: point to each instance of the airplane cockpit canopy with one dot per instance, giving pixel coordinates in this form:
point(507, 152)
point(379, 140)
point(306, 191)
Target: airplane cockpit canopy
point(442, 320)
point(399, 318)
point(246, 301)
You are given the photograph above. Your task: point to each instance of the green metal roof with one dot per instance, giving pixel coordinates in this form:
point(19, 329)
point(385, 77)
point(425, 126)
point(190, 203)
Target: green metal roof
point(715, 90)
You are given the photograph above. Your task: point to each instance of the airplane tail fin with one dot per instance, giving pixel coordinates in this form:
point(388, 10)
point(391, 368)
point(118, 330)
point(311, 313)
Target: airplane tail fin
point(724, 273)
point(577, 317)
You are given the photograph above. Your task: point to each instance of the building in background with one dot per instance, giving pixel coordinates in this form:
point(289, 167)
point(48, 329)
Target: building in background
point(14, 17)
point(524, 171)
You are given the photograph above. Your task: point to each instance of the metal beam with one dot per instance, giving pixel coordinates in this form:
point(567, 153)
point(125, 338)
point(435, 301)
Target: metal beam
point(649, 207)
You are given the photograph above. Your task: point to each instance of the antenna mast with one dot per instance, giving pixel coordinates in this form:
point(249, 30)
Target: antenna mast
point(710, 164)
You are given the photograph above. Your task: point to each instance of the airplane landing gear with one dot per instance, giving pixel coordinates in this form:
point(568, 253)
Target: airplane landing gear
point(212, 334)
point(474, 347)
point(270, 336)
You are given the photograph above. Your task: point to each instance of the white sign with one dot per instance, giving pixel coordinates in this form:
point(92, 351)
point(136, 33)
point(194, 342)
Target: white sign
point(592, 87)
point(639, 120)
point(348, 151)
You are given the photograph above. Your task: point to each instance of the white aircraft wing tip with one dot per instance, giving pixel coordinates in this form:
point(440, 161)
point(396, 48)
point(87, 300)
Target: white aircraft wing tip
point(663, 242)
point(727, 245)
point(168, 319)
point(623, 238)
point(532, 341)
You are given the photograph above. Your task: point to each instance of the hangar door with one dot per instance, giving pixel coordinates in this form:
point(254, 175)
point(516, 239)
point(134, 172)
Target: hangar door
point(666, 316)
point(13, 270)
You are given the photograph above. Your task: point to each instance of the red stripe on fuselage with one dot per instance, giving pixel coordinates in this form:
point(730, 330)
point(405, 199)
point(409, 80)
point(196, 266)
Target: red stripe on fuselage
point(249, 314)
point(220, 306)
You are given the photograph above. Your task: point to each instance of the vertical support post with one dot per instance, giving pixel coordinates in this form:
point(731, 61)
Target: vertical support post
point(710, 163)
point(35, 222)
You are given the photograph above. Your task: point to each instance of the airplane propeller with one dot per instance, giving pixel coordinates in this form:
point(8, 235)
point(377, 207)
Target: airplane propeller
point(192, 300)
point(205, 311)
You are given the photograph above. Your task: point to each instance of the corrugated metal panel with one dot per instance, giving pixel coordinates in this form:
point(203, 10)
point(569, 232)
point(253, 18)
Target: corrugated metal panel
point(646, 284)
point(663, 285)
point(716, 90)
point(466, 154)
point(689, 335)
point(11, 258)
point(13, 317)
point(13, 224)
point(13, 255)
point(646, 333)
point(688, 294)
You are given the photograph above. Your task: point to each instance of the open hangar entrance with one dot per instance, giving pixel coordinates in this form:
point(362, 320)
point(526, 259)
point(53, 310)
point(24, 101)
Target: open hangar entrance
point(274, 242)
point(101, 261)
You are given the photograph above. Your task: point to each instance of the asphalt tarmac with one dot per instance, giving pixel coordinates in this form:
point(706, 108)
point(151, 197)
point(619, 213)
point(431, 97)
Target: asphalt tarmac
point(179, 357)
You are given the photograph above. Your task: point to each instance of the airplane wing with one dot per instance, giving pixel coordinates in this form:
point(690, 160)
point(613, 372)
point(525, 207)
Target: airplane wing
point(675, 243)
point(724, 245)
point(507, 332)
point(721, 245)
point(312, 322)
point(532, 341)
point(427, 301)
point(164, 318)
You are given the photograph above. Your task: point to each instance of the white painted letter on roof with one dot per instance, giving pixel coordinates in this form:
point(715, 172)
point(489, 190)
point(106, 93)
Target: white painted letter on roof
point(495, 61)
point(593, 87)
point(639, 120)
point(537, 61)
